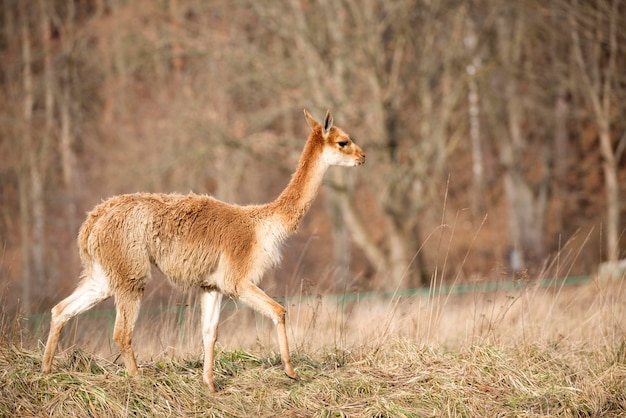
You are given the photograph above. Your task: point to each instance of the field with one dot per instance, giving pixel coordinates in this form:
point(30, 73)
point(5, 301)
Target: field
point(556, 351)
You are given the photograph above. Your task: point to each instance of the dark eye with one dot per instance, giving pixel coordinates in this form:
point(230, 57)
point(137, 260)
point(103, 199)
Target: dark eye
point(342, 144)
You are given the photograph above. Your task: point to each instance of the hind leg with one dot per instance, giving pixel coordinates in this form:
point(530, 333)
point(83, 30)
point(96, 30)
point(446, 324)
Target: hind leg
point(127, 307)
point(89, 292)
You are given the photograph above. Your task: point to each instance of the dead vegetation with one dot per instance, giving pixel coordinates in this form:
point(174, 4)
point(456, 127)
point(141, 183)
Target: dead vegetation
point(534, 352)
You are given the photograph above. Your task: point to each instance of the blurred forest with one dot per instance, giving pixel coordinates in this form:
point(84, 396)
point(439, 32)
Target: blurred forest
point(495, 131)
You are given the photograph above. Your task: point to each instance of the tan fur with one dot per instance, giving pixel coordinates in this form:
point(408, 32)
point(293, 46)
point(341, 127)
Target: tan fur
point(197, 242)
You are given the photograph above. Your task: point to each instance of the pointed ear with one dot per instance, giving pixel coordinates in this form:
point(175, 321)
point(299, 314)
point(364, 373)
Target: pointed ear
point(312, 122)
point(328, 123)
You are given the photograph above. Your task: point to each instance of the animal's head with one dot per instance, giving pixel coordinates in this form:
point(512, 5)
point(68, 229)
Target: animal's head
point(339, 149)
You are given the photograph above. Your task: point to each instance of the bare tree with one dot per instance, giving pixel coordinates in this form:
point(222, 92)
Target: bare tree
point(472, 68)
point(397, 61)
point(30, 181)
point(526, 192)
point(596, 33)
point(519, 104)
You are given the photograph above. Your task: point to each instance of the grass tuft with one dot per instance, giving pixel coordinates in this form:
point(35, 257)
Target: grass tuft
point(400, 379)
point(524, 353)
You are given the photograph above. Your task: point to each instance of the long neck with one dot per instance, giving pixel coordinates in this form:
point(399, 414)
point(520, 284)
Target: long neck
point(294, 202)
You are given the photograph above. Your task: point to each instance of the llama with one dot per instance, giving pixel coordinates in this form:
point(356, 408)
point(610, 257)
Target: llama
point(197, 242)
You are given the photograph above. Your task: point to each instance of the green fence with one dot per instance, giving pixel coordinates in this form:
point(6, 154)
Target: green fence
point(463, 288)
point(38, 320)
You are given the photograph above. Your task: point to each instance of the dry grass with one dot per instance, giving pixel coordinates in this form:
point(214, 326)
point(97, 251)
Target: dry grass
point(533, 352)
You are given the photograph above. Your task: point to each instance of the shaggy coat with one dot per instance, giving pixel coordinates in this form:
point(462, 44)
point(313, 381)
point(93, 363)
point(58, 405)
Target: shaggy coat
point(197, 242)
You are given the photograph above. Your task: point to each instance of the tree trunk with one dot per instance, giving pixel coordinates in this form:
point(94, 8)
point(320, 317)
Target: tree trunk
point(25, 240)
point(178, 61)
point(39, 154)
point(527, 203)
point(611, 183)
point(527, 210)
point(478, 177)
point(609, 164)
point(561, 112)
point(28, 173)
point(598, 85)
point(342, 251)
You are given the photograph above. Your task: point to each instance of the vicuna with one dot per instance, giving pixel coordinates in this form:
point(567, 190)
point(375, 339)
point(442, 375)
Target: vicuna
point(197, 242)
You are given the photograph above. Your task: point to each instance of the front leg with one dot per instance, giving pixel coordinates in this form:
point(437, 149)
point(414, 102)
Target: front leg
point(254, 297)
point(211, 302)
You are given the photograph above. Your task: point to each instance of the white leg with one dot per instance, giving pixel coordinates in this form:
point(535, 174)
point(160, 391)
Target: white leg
point(92, 290)
point(211, 302)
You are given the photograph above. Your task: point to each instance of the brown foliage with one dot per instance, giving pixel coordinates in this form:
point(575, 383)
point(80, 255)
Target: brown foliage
point(186, 95)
